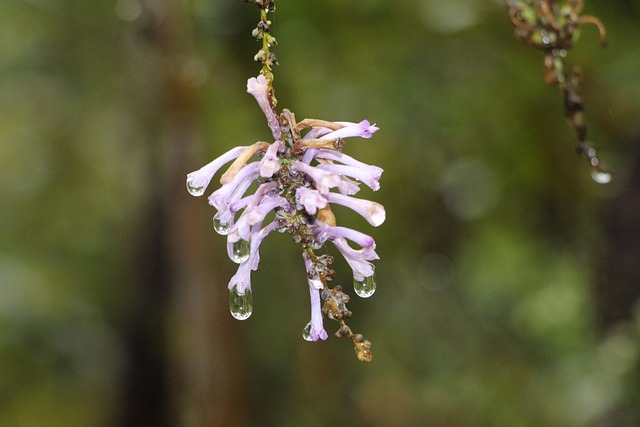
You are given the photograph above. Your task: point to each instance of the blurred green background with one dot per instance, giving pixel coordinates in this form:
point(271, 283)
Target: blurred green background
point(508, 283)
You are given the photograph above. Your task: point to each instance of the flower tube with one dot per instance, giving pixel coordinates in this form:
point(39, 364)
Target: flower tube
point(371, 211)
point(198, 181)
point(364, 129)
point(258, 87)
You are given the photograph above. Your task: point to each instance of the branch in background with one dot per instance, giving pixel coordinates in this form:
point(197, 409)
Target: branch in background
point(552, 26)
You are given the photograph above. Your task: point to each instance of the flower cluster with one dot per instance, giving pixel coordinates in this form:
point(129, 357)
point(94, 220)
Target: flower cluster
point(297, 179)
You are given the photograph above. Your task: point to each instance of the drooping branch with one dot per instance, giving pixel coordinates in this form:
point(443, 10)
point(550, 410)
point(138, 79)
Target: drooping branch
point(551, 26)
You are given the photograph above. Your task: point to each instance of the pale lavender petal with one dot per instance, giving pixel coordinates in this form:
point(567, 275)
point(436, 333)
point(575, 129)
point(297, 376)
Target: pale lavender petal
point(348, 186)
point(201, 178)
point(226, 215)
point(364, 129)
point(323, 180)
point(267, 204)
point(242, 228)
point(373, 212)
point(240, 204)
point(368, 176)
point(242, 278)
point(366, 173)
point(256, 240)
point(317, 327)
point(358, 260)
point(258, 87)
point(372, 128)
point(312, 200)
point(234, 189)
point(270, 163)
point(331, 233)
point(316, 132)
point(309, 154)
point(347, 160)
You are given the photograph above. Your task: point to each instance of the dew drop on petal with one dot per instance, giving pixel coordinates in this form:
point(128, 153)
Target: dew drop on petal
point(601, 177)
point(240, 251)
point(306, 332)
point(365, 288)
point(194, 190)
point(219, 227)
point(240, 305)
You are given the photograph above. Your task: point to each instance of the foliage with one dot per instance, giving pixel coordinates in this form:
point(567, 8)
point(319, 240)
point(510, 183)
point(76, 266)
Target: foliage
point(493, 257)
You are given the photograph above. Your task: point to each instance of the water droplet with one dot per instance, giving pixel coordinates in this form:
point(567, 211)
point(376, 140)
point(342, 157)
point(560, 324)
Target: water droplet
point(306, 332)
point(366, 287)
point(601, 177)
point(219, 227)
point(240, 251)
point(193, 190)
point(546, 38)
point(240, 305)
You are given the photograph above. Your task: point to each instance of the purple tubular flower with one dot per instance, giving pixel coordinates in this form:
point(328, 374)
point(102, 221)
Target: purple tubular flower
point(200, 179)
point(358, 260)
point(227, 214)
point(364, 129)
point(234, 189)
point(240, 204)
point(309, 155)
point(241, 230)
point(349, 161)
point(317, 132)
point(348, 186)
point(373, 212)
point(330, 233)
point(242, 278)
point(256, 240)
point(254, 212)
point(317, 327)
point(312, 200)
point(267, 204)
point(270, 163)
point(258, 87)
point(324, 180)
point(369, 177)
point(315, 285)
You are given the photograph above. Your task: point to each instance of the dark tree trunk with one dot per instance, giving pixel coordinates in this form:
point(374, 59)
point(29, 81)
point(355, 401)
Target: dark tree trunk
point(618, 289)
point(182, 366)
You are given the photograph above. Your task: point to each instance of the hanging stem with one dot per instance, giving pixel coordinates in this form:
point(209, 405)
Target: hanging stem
point(550, 25)
point(264, 55)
